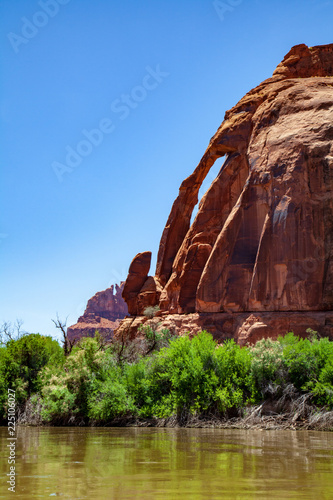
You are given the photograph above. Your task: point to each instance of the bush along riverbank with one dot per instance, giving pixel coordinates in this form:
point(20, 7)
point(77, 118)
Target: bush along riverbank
point(170, 381)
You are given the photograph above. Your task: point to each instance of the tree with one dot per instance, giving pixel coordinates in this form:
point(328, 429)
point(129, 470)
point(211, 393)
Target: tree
point(9, 331)
point(67, 344)
point(21, 361)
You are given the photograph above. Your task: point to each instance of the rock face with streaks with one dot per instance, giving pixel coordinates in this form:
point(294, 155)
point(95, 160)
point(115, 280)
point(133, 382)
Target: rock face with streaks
point(262, 240)
point(104, 312)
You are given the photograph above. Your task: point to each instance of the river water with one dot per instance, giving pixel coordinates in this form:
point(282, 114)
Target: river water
point(154, 464)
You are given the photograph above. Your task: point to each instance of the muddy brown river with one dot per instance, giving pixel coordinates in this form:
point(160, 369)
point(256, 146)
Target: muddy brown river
point(153, 464)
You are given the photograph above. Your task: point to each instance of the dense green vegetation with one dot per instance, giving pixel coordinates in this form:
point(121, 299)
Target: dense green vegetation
point(21, 362)
point(162, 376)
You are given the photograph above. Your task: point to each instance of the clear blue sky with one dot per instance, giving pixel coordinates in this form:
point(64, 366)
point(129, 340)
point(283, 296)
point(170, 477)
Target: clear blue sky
point(156, 78)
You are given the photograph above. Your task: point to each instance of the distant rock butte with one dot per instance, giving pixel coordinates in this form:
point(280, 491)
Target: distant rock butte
point(257, 259)
point(104, 312)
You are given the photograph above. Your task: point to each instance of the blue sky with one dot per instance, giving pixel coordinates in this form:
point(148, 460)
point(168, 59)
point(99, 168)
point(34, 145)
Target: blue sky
point(105, 108)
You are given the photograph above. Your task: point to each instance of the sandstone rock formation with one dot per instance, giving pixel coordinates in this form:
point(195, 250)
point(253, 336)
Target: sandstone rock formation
point(243, 327)
point(104, 312)
point(262, 240)
point(136, 279)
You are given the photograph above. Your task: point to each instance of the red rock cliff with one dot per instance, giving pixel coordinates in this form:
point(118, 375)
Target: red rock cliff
point(104, 312)
point(262, 238)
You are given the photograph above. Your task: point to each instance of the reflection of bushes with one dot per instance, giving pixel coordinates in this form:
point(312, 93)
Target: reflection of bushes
point(160, 376)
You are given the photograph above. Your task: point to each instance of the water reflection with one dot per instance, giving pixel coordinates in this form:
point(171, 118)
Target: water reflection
point(148, 463)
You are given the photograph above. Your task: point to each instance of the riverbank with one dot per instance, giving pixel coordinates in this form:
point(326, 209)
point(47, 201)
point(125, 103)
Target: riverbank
point(256, 418)
point(296, 415)
point(166, 381)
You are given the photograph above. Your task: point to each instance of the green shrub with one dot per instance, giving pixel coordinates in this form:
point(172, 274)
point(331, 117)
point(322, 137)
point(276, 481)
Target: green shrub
point(183, 375)
point(322, 389)
point(268, 369)
point(180, 377)
point(305, 358)
point(66, 389)
point(233, 369)
point(309, 363)
point(110, 399)
point(155, 339)
point(58, 402)
point(139, 383)
point(21, 362)
point(191, 376)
